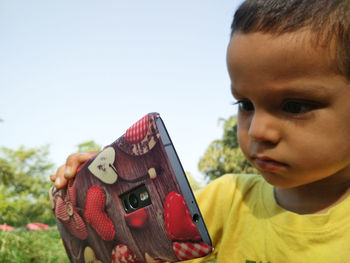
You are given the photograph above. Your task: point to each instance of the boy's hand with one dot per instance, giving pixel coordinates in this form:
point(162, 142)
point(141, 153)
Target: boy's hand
point(68, 170)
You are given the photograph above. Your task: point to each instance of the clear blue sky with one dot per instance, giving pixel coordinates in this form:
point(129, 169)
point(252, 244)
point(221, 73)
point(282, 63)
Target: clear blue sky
point(72, 71)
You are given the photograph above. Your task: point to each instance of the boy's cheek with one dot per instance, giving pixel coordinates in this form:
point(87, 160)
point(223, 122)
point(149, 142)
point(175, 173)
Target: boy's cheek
point(243, 141)
point(242, 135)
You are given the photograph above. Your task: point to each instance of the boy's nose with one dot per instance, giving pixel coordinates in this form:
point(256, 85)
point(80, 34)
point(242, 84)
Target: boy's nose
point(264, 128)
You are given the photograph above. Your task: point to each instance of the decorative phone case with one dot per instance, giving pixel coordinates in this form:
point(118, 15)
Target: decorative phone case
point(127, 205)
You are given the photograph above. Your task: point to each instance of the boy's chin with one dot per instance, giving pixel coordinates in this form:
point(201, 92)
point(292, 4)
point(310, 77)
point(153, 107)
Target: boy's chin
point(278, 180)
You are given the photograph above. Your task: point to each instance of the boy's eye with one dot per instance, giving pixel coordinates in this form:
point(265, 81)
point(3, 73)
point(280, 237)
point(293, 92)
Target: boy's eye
point(298, 107)
point(245, 105)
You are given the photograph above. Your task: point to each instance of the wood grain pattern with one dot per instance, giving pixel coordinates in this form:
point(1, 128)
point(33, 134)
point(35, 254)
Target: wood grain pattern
point(151, 238)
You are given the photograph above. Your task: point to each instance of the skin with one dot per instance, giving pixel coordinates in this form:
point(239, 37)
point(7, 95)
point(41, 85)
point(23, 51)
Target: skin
point(293, 117)
point(68, 170)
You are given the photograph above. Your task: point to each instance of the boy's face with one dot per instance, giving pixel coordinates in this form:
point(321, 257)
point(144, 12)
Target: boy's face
point(294, 109)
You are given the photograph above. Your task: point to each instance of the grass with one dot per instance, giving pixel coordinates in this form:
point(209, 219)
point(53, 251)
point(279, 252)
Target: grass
point(32, 246)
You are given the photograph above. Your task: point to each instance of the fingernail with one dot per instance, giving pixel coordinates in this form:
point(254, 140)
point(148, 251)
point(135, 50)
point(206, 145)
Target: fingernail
point(57, 182)
point(68, 172)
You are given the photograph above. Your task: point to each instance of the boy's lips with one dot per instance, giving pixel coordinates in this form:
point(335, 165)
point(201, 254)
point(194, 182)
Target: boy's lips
point(267, 163)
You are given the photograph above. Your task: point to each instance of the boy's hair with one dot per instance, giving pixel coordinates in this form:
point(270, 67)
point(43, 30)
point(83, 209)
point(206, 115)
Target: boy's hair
point(328, 19)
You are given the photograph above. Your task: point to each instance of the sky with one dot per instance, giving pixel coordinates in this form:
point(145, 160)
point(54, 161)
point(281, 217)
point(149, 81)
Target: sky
point(74, 71)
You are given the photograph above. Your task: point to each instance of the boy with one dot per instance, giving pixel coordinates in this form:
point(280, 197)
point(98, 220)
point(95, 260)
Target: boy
point(289, 62)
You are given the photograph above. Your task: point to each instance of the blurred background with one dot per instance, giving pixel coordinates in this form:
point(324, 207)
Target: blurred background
point(74, 75)
point(75, 71)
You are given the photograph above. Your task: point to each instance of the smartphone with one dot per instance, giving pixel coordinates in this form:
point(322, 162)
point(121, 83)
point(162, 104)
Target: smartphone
point(132, 203)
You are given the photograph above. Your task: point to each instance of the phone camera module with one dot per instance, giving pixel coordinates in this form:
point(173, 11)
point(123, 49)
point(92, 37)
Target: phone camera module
point(144, 196)
point(133, 201)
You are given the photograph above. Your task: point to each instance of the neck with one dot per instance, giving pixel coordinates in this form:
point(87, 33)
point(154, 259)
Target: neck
point(313, 198)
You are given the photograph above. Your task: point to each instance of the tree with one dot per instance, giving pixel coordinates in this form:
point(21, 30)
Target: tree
point(89, 146)
point(24, 186)
point(224, 155)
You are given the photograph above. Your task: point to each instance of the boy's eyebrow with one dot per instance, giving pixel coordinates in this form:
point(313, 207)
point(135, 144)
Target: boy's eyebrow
point(300, 90)
point(305, 90)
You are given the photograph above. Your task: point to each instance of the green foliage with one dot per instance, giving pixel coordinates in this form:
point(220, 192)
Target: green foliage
point(24, 186)
point(32, 246)
point(89, 146)
point(224, 155)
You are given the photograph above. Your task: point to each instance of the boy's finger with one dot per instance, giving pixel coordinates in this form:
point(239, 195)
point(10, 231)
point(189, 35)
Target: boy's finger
point(53, 177)
point(74, 161)
point(60, 181)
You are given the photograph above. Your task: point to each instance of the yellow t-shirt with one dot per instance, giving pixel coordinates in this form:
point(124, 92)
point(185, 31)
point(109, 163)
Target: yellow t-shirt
point(247, 225)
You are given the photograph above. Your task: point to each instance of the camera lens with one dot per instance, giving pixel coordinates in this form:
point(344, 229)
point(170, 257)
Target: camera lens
point(133, 200)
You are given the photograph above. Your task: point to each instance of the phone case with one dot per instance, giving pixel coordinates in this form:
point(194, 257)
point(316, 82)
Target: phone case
point(131, 203)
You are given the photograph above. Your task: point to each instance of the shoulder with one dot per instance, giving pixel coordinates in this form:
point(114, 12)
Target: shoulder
point(229, 188)
point(223, 203)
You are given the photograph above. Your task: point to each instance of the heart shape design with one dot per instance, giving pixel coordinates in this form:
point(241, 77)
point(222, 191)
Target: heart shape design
point(189, 250)
point(138, 131)
point(137, 219)
point(141, 137)
point(123, 254)
point(89, 256)
point(102, 166)
point(177, 219)
point(66, 211)
point(96, 215)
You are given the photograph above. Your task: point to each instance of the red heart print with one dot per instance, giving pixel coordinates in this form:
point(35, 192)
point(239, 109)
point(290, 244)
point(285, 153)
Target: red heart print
point(66, 212)
point(189, 250)
point(122, 254)
point(138, 131)
point(96, 215)
point(137, 219)
point(177, 219)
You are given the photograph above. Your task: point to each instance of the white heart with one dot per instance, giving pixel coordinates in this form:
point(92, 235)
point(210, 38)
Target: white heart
point(101, 166)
